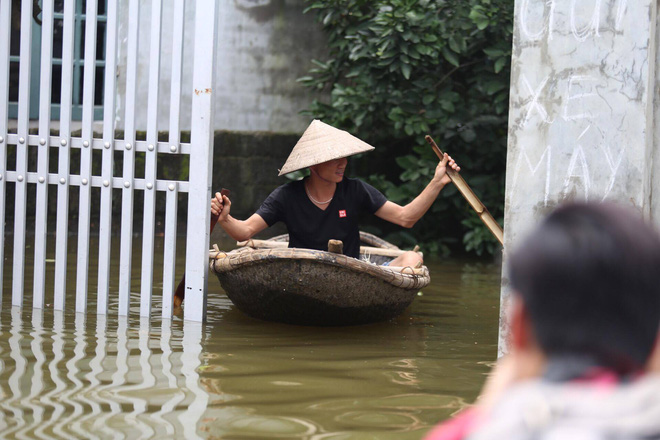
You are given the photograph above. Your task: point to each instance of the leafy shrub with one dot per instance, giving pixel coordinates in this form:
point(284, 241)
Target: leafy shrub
point(397, 70)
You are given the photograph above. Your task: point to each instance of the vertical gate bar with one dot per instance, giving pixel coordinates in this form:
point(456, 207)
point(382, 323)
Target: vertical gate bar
point(5, 34)
point(125, 257)
point(177, 66)
point(85, 199)
point(107, 167)
point(20, 208)
point(201, 160)
point(41, 211)
point(169, 249)
point(62, 227)
point(151, 161)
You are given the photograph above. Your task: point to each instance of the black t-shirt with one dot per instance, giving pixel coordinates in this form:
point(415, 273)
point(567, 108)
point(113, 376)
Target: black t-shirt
point(311, 227)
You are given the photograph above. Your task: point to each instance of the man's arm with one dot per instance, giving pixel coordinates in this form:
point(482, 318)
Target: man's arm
point(239, 230)
point(408, 215)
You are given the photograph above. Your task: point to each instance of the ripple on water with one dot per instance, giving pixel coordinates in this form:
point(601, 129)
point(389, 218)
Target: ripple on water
point(263, 427)
point(401, 401)
point(379, 419)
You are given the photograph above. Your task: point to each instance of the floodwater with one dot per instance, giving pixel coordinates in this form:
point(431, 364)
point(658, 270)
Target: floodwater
point(67, 376)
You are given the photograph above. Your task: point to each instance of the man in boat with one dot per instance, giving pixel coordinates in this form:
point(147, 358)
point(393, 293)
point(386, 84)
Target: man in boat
point(326, 205)
point(584, 353)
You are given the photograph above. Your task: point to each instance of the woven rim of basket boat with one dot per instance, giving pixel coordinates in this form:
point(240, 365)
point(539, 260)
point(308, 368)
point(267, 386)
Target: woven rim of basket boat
point(406, 278)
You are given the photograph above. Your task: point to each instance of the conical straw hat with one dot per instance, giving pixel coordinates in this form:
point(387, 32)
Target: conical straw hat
point(320, 143)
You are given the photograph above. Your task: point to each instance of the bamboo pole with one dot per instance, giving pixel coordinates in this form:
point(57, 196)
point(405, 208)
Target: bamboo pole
point(470, 196)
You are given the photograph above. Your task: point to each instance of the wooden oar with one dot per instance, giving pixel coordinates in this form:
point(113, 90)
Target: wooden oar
point(471, 197)
point(180, 293)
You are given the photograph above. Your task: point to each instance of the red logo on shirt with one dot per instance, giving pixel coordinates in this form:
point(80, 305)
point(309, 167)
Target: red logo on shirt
point(342, 213)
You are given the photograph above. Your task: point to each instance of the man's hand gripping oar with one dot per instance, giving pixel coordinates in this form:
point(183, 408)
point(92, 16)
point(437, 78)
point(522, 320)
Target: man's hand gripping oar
point(471, 197)
point(180, 293)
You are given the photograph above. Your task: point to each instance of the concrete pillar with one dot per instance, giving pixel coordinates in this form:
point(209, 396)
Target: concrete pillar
point(581, 120)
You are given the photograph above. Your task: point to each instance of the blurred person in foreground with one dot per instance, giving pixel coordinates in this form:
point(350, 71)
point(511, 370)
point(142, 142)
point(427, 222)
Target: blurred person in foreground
point(583, 324)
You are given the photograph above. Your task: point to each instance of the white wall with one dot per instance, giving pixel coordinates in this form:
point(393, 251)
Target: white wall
point(263, 47)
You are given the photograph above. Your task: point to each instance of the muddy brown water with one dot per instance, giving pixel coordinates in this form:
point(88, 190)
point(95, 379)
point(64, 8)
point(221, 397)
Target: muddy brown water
point(64, 375)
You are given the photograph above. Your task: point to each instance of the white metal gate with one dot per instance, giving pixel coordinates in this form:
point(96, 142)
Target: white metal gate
point(24, 173)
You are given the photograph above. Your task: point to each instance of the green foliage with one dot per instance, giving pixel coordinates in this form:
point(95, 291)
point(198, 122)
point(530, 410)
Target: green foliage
point(298, 175)
point(478, 238)
point(400, 69)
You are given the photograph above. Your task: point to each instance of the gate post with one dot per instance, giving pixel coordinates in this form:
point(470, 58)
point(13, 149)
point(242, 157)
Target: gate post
point(201, 160)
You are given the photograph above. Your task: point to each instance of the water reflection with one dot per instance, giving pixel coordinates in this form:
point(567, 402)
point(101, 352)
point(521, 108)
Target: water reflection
point(279, 381)
point(58, 354)
point(175, 398)
point(72, 395)
point(38, 377)
point(63, 377)
point(192, 335)
point(12, 405)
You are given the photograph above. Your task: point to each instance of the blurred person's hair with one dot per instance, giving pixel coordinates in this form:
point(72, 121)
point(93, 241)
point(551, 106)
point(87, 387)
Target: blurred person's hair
point(589, 278)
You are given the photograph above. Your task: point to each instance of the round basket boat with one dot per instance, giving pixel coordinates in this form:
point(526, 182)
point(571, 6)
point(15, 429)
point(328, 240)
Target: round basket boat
point(267, 280)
